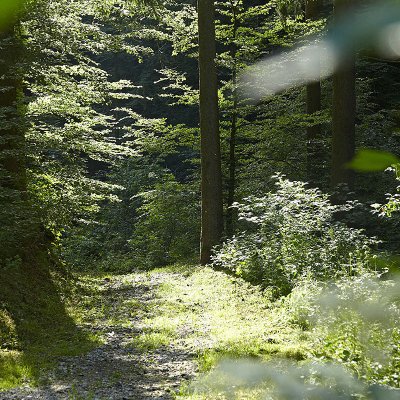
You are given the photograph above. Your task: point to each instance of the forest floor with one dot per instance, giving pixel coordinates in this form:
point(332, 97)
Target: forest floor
point(160, 331)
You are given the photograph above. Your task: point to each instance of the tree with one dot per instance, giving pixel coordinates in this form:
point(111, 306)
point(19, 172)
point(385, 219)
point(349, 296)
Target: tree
point(57, 117)
point(15, 212)
point(344, 111)
point(312, 11)
point(211, 175)
point(233, 131)
point(12, 138)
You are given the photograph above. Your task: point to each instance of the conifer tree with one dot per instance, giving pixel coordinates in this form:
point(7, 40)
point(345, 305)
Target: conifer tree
point(314, 150)
point(211, 175)
point(344, 110)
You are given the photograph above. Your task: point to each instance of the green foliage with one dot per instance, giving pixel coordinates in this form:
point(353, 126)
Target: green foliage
point(67, 127)
point(112, 175)
point(65, 119)
point(8, 11)
point(154, 220)
point(167, 227)
point(294, 235)
point(392, 205)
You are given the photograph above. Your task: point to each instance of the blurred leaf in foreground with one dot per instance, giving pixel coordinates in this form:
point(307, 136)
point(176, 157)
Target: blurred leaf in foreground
point(8, 10)
point(375, 27)
point(368, 160)
point(285, 381)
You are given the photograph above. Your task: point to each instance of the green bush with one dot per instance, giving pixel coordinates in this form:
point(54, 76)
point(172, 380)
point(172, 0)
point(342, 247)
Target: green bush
point(293, 234)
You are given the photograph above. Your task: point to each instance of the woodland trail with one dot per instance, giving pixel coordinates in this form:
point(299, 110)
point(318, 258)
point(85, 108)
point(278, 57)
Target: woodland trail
point(116, 369)
point(160, 330)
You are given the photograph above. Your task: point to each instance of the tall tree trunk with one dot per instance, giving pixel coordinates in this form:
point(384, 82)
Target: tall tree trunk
point(211, 175)
point(230, 215)
point(12, 141)
point(17, 222)
point(314, 146)
point(344, 112)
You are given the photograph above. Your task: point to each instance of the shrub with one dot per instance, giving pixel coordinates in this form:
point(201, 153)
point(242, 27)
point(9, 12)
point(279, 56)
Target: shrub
point(293, 234)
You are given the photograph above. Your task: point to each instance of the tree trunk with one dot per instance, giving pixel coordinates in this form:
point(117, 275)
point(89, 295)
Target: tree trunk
point(344, 113)
point(230, 215)
point(12, 140)
point(211, 175)
point(314, 145)
point(17, 222)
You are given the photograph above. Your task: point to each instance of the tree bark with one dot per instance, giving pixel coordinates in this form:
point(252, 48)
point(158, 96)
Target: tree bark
point(211, 175)
point(230, 215)
point(314, 145)
point(344, 112)
point(12, 139)
point(16, 218)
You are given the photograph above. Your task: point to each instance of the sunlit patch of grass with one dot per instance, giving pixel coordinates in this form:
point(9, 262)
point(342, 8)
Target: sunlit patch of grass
point(97, 306)
point(221, 390)
point(160, 332)
point(217, 316)
point(13, 370)
point(239, 394)
point(27, 365)
point(151, 340)
point(8, 332)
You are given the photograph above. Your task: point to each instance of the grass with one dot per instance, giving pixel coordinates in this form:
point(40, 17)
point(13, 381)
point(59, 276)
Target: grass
point(151, 340)
point(211, 315)
point(217, 317)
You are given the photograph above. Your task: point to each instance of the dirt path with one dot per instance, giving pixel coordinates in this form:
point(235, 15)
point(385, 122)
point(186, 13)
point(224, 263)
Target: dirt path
point(161, 329)
point(118, 370)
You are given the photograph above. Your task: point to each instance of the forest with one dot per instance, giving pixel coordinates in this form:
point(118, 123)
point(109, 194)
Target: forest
point(200, 199)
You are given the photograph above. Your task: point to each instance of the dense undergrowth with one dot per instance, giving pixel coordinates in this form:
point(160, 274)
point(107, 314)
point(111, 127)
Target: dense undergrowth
point(323, 276)
point(292, 234)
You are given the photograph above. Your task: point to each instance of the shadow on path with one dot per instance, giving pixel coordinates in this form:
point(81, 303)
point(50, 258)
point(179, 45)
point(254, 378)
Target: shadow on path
point(34, 326)
point(116, 369)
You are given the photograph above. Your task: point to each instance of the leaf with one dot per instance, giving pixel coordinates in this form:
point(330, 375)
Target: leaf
point(368, 160)
point(8, 10)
